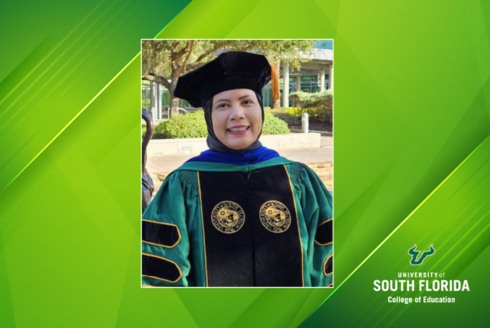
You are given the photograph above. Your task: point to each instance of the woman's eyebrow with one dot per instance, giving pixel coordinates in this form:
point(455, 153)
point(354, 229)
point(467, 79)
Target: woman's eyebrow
point(224, 99)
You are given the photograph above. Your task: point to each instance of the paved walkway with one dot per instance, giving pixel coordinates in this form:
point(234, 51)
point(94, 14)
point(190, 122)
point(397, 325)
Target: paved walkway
point(303, 155)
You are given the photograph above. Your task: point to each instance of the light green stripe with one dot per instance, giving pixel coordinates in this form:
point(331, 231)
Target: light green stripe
point(49, 54)
point(156, 36)
point(454, 232)
point(61, 68)
point(487, 138)
point(66, 126)
point(54, 62)
point(83, 109)
point(471, 242)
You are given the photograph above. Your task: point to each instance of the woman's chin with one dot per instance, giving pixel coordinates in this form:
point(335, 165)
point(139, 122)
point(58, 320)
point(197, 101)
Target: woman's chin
point(238, 145)
point(238, 142)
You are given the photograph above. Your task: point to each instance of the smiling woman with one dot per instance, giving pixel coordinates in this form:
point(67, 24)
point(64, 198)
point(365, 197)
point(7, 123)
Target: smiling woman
point(238, 214)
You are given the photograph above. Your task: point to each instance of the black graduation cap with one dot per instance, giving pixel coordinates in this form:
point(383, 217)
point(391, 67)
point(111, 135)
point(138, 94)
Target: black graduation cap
point(230, 70)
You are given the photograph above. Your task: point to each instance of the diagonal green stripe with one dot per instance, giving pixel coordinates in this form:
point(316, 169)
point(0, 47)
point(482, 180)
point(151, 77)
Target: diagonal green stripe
point(54, 62)
point(374, 251)
point(69, 123)
point(449, 238)
point(435, 239)
point(247, 317)
point(157, 36)
point(7, 314)
point(95, 60)
point(83, 109)
point(246, 14)
point(378, 296)
point(79, 62)
point(51, 52)
point(304, 308)
point(471, 242)
point(19, 149)
point(468, 245)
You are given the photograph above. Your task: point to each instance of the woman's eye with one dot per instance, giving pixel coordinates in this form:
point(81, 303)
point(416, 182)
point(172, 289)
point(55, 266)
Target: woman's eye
point(220, 106)
point(247, 102)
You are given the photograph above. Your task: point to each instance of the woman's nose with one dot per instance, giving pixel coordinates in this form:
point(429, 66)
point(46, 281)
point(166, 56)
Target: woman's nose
point(237, 112)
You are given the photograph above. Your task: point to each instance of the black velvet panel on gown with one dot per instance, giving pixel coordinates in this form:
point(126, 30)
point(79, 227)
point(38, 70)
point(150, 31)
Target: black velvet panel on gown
point(251, 228)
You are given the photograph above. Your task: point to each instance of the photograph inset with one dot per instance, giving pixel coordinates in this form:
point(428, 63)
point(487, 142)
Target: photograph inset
point(237, 163)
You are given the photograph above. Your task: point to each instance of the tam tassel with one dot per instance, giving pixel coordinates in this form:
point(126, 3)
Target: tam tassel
point(275, 82)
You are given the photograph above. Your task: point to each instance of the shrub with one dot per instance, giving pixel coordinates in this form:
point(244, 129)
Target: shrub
point(320, 101)
point(295, 111)
point(276, 111)
point(313, 111)
point(298, 111)
point(282, 113)
point(194, 126)
point(325, 112)
point(312, 99)
point(182, 126)
point(274, 125)
point(300, 96)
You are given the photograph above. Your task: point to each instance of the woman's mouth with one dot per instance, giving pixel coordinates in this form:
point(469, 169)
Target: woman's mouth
point(238, 130)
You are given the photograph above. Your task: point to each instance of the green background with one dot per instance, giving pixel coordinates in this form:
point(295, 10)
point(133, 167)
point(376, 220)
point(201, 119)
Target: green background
point(412, 161)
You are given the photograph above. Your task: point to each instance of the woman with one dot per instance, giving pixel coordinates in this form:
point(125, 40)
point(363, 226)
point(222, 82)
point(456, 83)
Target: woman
point(238, 214)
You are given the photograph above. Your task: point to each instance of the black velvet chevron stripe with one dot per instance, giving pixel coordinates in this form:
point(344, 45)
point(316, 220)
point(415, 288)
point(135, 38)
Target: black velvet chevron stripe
point(324, 235)
point(328, 266)
point(160, 234)
point(160, 268)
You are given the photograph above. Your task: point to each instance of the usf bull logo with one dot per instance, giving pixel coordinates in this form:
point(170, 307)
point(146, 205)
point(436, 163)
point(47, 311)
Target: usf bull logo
point(414, 254)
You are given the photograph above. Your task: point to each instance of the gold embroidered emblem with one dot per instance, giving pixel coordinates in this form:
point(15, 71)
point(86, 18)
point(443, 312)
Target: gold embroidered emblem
point(228, 217)
point(275, 216)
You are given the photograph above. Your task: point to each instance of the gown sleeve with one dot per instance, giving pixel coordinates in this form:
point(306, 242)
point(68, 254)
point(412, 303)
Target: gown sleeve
point(165, 244)
point(317, 206)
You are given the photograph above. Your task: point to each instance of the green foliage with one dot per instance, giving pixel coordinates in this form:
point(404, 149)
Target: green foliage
point(182, 126)
point(318, 105)
point(298, 111)
point(160, 57)
point(295, 111)
point(312, 99)
point(279, 112)
point(274, 125)
point(282, 113)
point(301, 96)
point(163, 61)
point(194, 126)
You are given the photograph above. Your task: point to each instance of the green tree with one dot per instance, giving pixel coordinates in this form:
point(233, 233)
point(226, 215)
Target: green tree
point(164, 61)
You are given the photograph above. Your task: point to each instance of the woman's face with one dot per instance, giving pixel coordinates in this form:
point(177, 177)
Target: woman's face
point(237, 118)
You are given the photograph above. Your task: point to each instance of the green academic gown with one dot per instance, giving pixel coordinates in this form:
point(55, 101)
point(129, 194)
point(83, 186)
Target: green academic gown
point(213, 224)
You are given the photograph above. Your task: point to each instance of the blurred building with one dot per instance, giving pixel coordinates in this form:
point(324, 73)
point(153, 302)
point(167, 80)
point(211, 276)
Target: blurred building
point(314, 75)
